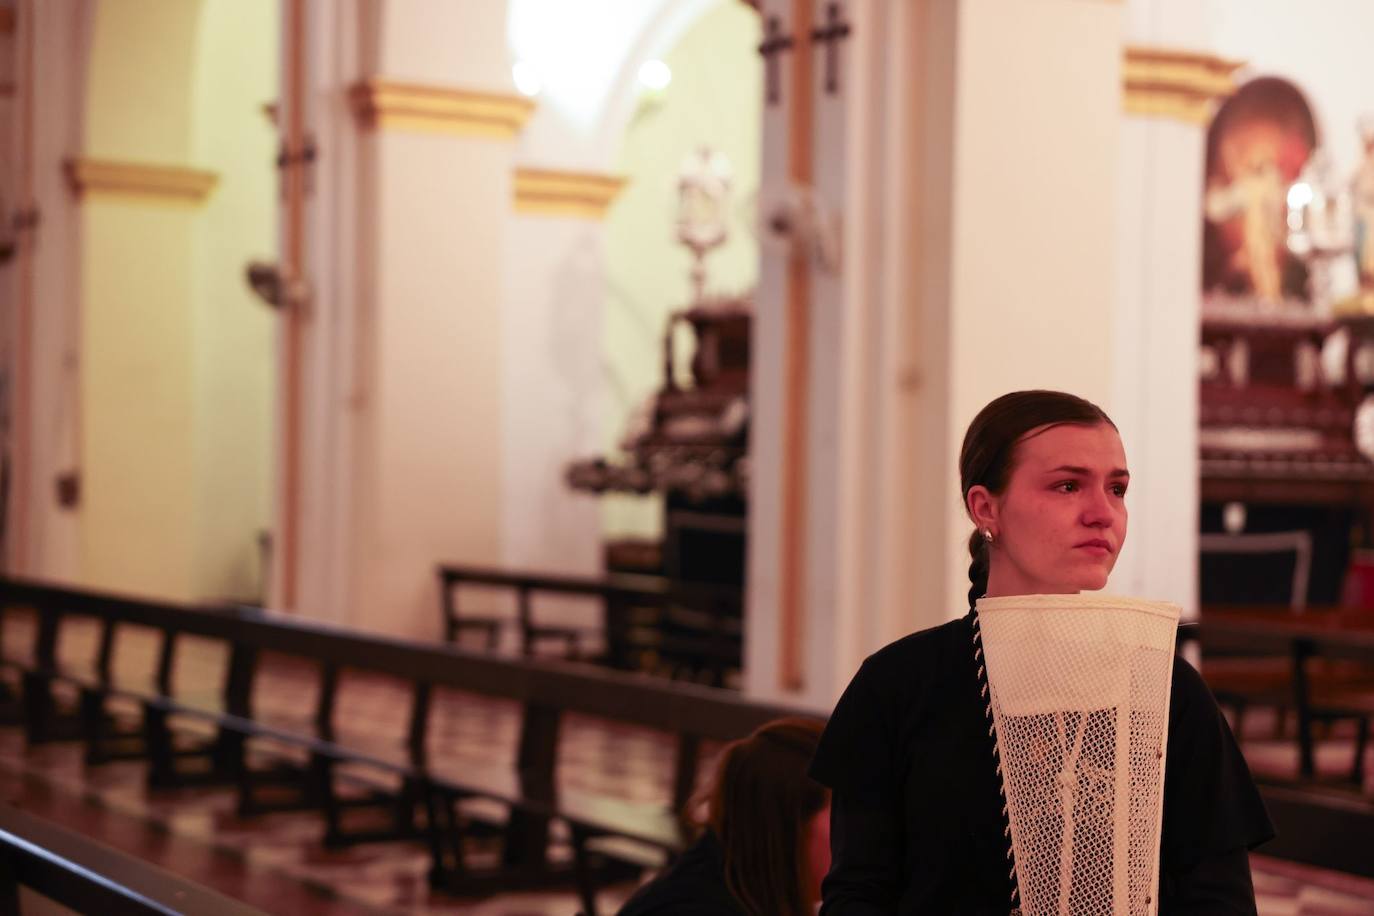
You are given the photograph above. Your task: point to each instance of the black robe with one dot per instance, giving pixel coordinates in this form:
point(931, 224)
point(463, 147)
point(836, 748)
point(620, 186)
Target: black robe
point(916, 816)
point(694, 885)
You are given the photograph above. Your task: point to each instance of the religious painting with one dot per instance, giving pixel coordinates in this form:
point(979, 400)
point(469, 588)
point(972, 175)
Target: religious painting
point(1363, 192)
point(1257, 146)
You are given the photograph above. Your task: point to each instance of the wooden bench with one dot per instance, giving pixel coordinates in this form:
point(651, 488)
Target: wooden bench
point(422, 794)
point(1321, 666)
point(695, 628)
point(88, 877)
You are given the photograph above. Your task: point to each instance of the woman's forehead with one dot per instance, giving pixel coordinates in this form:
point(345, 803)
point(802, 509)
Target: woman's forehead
point(1096, 447)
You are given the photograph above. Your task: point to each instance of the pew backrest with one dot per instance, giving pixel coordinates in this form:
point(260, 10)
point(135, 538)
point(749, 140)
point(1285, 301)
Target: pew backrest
point(546, 689)
point(89, 877)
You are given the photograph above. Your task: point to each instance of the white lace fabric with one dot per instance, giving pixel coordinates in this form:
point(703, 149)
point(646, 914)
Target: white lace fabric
point(1079, 687)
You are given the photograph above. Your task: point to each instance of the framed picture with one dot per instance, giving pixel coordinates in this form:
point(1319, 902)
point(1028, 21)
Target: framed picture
point(1257, 146)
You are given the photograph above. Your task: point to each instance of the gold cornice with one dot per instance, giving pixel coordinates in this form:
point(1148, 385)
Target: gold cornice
point(553, 193)
point(167, 183)
point(1184, 85)
point(381, 104)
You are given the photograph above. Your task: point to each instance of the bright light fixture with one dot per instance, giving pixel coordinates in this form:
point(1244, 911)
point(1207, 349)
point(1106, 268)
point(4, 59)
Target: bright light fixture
point(526, 78)
point(655, 75)
point(1300, 195)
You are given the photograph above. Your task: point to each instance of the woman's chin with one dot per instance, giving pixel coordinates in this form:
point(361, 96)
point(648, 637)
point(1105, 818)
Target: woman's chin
point(1094, 582)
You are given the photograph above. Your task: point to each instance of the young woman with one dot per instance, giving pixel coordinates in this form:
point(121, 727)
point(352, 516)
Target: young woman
point(766, 844)
point(916, 818)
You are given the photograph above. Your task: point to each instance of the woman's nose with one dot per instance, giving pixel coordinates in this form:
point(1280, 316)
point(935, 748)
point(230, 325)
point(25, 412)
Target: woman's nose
point(1098, 512)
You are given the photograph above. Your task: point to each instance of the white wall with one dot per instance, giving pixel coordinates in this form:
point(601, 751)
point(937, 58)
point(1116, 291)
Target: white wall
point(403, 426)
point(1323, 48)
point(1034, 218)
point(552, 381)
point(1157, 311)
point(587, 55)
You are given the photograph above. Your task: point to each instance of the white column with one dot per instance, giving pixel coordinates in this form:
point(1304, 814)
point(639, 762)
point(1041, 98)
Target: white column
point(1158, 302)
point(1034, 220)
point(338, 264)
point(979, 225)
point(404, 364)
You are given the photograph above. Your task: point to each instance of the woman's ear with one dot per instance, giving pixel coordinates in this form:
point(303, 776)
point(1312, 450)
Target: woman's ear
point(982, 508)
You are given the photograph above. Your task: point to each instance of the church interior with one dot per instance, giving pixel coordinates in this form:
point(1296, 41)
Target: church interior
point(430, 431)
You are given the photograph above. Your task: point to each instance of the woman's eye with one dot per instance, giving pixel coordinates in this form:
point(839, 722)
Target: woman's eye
point(1119, 490)
point(1067, 486)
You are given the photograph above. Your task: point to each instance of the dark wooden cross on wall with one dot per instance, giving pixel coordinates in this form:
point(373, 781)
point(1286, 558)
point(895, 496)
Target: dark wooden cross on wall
point(834, 31)
point(303, 158)
point(774, 43)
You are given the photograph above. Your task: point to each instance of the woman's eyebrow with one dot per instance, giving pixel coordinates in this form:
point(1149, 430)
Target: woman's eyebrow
point(1084, 472)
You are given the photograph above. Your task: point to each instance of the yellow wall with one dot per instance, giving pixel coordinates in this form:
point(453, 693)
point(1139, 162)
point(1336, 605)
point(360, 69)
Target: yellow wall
point(136, 317)
point(138, 98)
point(234, 377)
point(136, 397)
point(176, 372)
point(714, 99)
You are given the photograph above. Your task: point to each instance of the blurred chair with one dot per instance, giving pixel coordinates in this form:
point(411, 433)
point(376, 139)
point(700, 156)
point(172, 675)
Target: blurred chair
point(1268, 570)
point(1273, 571)
point(1248, 569)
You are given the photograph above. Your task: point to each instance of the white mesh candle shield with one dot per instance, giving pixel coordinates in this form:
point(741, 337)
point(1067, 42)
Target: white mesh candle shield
point(1079, 687)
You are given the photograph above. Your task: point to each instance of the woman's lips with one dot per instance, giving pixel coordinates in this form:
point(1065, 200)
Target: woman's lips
point(1096, 547)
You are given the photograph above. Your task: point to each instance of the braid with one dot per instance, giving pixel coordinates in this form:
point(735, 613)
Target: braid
point(978, 569)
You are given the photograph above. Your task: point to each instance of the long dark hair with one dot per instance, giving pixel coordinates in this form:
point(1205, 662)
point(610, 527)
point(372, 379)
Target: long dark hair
point(989, 452)
point(759, 807)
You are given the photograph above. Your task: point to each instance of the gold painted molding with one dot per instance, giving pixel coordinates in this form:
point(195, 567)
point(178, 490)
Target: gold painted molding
point(381, 104)
point(552, 193)
point(1183, 85)
point(168, 183)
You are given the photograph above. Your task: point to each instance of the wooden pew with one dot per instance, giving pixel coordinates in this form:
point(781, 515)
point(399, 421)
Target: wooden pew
point(1329, 658)
point(88, 877)
point(696, 626)
point(547, 692)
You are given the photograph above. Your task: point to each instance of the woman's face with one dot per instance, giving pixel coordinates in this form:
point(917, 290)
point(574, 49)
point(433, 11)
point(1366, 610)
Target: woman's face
point(1061, 521)
point(817, 851)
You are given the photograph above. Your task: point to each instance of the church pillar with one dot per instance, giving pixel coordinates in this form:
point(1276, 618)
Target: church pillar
point(1169, 89)
point(978, 257)
point(402, 338)
point(1034, 218)
point(48, 47)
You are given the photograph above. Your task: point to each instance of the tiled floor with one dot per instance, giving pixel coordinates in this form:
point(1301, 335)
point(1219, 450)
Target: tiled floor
point(391, 877)
point(201, 835)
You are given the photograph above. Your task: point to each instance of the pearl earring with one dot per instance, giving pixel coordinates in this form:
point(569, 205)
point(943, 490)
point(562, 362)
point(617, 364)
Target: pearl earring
point(987, 535)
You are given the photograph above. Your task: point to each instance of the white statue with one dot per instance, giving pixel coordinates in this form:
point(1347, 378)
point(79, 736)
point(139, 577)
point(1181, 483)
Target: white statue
point(703, 209)
point(1257, 195)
